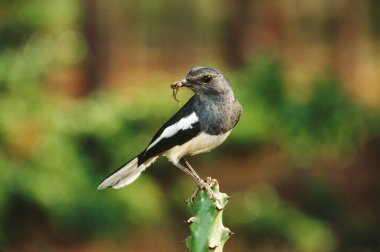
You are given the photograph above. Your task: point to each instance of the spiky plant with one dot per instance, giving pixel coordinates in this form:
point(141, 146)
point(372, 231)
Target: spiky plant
point(206, 223)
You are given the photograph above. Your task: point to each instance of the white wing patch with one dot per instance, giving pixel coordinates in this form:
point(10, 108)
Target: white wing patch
point(183, 124)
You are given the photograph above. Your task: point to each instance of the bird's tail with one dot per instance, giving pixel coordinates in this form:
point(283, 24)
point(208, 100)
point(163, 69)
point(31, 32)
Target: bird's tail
point(125, 175)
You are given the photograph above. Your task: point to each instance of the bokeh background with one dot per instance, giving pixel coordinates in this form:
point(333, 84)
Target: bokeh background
point(85, 84)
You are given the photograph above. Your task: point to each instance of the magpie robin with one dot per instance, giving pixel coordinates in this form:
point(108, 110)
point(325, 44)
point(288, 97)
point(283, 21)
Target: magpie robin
point(202, 124)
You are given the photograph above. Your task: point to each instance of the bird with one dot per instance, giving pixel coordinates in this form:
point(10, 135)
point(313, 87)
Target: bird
point(199, 126)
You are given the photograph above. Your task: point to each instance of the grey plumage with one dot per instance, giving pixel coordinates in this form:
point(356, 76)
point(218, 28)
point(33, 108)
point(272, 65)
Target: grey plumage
point(214, 101)
point(217, 114)
point(202, 124)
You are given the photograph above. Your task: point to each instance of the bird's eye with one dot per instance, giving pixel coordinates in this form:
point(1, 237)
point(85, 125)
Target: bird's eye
point(207, 78)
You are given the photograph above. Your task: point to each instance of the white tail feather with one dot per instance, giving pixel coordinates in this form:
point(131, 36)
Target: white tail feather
point(123, 173)
point(126, 174)
point(130, 178)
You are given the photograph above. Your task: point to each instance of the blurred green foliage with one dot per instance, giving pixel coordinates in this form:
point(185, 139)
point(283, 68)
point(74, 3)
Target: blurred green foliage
point(54, 154)
point(266, 218)
point(325, 123)
point(55, 151)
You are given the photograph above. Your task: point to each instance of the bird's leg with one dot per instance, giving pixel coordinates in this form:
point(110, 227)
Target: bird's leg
point(186, 167)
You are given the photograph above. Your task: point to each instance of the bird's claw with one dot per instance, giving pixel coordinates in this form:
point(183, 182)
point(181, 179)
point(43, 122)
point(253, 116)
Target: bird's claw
point(206, 185)
point(193, 195)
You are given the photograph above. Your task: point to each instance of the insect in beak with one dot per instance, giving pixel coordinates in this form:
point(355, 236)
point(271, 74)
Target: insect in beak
point(176, 86)
point(175, 91)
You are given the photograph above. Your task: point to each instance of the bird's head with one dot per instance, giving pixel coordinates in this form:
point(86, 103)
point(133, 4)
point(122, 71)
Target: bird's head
point(204, 80)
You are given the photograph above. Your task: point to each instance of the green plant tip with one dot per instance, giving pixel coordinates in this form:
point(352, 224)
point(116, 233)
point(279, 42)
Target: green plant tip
point(206, 224)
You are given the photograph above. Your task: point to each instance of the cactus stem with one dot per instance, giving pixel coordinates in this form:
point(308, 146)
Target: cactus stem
point(206, 225)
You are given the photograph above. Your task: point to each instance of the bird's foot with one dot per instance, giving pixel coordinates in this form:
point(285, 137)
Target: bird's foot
point(206, 185)
point(193, 195)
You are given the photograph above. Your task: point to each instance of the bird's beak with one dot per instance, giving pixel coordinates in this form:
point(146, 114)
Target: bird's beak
point(180, 83)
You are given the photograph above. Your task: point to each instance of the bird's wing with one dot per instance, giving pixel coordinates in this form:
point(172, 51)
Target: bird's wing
point(182, 127)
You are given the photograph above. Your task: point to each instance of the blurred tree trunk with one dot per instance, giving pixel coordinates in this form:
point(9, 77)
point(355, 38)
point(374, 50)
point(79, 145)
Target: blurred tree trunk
point(344, 42)
point(97, 61)
point(374, 17)
point(235, 31)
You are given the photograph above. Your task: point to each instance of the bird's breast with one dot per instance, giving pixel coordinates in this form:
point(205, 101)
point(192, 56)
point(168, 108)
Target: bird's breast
point(199, 144)
point(217, 118)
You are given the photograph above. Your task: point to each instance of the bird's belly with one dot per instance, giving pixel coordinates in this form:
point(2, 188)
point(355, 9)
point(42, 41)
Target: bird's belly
point(199, 144)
